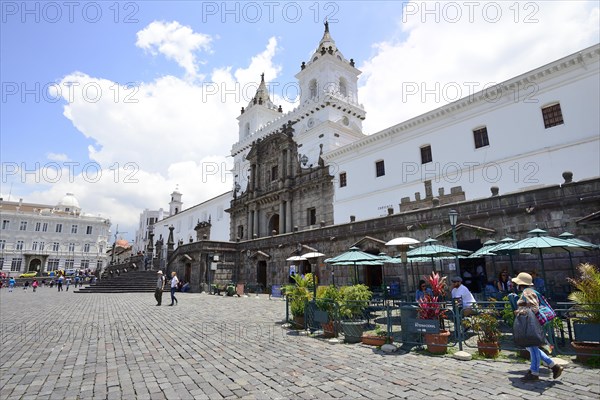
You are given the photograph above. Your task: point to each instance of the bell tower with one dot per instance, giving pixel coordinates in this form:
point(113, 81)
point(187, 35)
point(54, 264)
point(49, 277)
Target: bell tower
point(175, 204)
point(259, 111)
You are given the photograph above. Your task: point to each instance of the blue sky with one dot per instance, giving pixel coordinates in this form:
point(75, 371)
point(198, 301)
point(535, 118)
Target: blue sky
point(44, 52)
point(172, 132)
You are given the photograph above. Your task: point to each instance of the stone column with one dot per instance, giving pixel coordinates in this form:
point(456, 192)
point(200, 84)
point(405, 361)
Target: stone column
point(288, 216)
point(255, 230)
point(281, 217)
point(248, 225)
point(290, 169)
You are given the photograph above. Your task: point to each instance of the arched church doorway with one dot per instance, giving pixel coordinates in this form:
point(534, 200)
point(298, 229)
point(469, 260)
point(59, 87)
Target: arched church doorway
point(274, 224)
point(35, 265)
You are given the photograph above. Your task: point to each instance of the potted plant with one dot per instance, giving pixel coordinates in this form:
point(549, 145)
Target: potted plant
point(376, 337)
point(486, 324)
point(327, 301)
point(586, 311)
point(430, 307)
point(353, 302)
point(298, 294)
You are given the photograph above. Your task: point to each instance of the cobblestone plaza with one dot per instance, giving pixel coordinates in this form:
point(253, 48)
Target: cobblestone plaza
point(70, 346)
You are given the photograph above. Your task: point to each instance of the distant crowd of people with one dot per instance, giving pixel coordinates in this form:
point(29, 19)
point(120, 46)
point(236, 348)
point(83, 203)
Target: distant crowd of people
point(57, 278)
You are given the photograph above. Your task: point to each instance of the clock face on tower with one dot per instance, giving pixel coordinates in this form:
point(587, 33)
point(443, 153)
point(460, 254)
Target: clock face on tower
point(311, 122)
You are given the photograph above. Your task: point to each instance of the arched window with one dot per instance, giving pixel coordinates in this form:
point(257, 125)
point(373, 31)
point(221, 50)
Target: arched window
point(343, 87)
point(247, 129)
point(313, 88)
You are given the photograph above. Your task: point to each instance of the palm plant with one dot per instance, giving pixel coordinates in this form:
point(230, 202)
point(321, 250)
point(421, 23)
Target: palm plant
point(587, 293)
point(299, 293)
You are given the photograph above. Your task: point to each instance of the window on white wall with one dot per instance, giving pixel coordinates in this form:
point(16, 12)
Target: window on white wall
point(313, 88)
point(379, 168)
point(480, 136)
point(426, 154)
point(343, 179)
point(343, 87)
point(552, 115)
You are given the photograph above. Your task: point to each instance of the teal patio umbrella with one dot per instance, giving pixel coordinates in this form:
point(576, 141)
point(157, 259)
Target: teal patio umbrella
point(571, 238)
point(504, 248)
point(351, 257)
point(541, 243)
point(432, 250)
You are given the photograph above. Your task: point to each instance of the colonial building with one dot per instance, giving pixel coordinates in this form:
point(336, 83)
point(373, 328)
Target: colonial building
point(205, 219)
point(41, 237)
point(521, 133)
point(310, 179)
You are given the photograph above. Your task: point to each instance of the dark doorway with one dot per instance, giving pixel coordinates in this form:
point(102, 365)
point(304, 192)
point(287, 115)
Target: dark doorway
point(187, 276)
point(261, 274)
point(274, 224)
point(373, 275)
point(35, 265)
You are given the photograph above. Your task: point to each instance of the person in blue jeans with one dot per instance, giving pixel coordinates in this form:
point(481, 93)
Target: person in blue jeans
point(530, 298)
point(174, 282)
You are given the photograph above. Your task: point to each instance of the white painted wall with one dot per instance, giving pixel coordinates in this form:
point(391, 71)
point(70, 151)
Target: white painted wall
point(522, 153)
point(185, 221)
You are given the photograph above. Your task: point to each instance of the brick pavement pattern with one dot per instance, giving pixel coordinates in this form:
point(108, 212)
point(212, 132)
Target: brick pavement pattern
point(121, 346)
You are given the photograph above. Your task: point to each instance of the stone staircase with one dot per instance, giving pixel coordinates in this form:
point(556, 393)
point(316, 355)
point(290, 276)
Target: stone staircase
point(130, 282)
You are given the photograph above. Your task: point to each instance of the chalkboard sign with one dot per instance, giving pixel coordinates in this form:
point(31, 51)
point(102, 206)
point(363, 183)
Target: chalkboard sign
point(424, 325)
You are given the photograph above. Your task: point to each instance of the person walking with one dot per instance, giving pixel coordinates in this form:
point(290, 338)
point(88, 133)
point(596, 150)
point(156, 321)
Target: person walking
point(160, 285)
point(34, 285)
point(59, 283)
point(174, 282)
point(530, 298)
point(11, 284)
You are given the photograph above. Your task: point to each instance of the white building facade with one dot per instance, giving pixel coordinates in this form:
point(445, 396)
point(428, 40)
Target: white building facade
point(147, 219)
point(39, 237)
point(184, 221)
point(525, 132)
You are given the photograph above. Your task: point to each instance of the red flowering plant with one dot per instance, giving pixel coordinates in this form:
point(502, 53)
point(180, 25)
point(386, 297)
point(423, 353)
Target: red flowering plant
point(430, 305)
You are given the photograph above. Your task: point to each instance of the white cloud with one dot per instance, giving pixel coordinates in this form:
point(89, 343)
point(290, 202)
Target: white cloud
point(148, 139)
point(174, 41)
point(57, 157)
point(453, 60)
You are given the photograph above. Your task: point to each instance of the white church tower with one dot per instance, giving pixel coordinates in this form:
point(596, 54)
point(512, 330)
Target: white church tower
point(331, 115)
point(258, 113)
point(175, 205)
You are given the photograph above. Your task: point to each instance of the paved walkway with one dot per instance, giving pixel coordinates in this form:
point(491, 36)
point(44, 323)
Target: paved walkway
point(67, 345)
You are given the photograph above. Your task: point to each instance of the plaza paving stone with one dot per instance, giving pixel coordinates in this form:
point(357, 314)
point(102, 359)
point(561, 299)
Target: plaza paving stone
point(121, 346)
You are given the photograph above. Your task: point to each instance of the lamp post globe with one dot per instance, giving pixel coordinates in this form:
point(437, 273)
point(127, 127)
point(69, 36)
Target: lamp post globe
point(453, 216)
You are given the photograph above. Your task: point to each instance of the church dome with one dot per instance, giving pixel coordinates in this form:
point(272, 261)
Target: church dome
point(69, 201)
point(122, 243)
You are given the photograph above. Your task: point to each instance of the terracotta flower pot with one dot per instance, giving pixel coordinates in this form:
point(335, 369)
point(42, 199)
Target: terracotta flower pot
point(299, 321)
point(437, 343)
point(373, 340)
point(488, 349)
point(329, 329)
point(586, 351)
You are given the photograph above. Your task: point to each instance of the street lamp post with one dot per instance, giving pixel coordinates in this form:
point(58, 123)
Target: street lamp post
point(453, 215)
